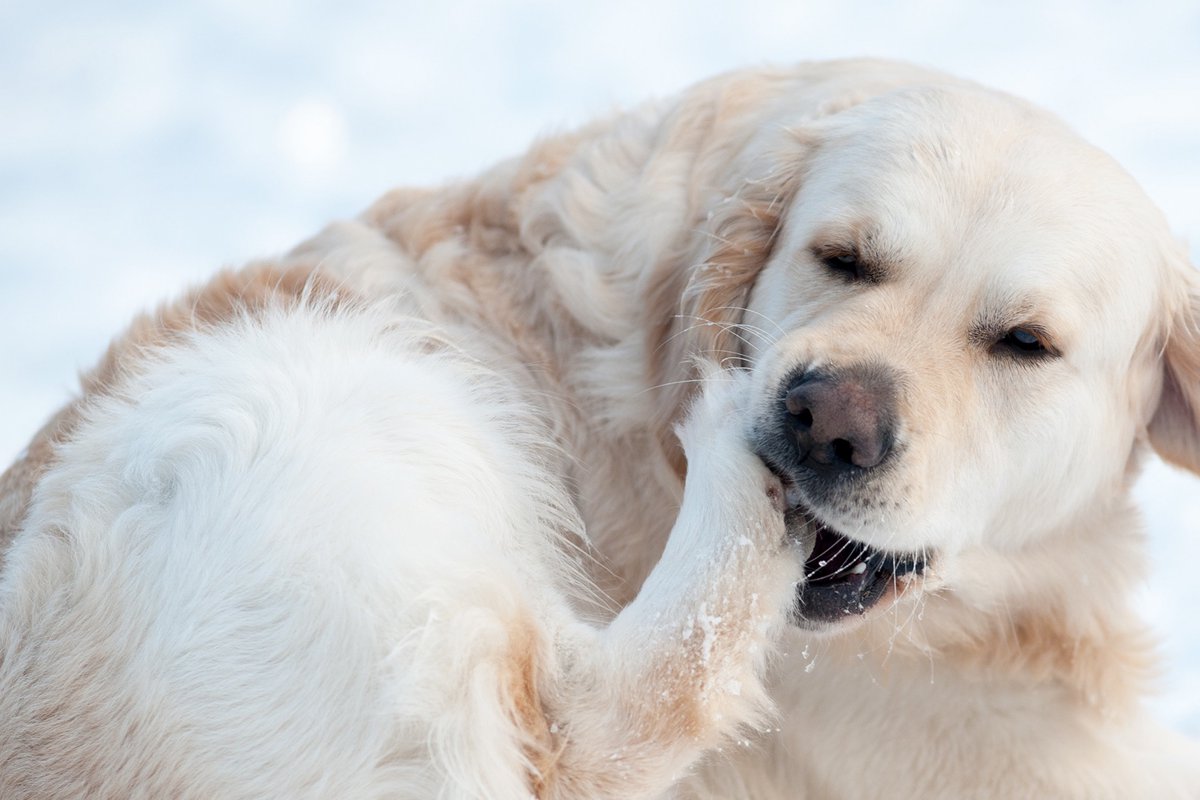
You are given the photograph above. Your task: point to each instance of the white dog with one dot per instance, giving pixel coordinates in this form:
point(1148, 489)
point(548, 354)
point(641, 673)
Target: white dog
point(402, 514)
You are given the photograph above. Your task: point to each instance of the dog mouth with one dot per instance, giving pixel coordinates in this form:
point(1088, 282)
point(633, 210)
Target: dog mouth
point(844, 578)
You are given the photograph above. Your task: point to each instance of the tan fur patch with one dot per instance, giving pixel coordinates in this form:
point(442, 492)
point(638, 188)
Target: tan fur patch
point(466, 242)
point(17, 482)
point(1106, 670)
point(527, 710)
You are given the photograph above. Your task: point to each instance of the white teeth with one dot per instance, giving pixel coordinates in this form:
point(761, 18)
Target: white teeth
point(859, 568)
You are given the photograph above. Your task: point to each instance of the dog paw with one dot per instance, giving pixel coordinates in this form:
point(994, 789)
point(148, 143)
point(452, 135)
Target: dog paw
point(716, 439)
point(716, 419)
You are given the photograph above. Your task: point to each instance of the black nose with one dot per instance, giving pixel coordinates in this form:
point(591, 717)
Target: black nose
point(841, 420)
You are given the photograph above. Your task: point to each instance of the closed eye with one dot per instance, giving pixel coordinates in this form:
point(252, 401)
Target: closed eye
point(845, 264)
point(1025, 343)
point(854, 255)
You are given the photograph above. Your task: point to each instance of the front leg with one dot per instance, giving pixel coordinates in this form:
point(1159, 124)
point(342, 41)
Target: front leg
point(679, 670)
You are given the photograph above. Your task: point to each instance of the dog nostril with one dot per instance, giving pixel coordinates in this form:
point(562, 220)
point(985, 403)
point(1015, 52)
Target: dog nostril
point(843, 451)
point(798, 406)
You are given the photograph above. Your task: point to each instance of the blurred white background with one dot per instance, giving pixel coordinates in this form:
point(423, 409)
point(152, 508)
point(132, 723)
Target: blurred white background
point(145, 144)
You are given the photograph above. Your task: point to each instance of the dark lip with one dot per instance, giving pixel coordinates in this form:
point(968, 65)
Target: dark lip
point(844, 578)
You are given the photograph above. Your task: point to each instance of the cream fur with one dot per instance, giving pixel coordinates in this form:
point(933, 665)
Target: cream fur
point(403, 514)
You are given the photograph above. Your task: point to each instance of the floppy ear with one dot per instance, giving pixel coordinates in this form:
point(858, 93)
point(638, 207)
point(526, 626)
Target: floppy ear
point(697, 302)
point(754, 136)
point(1174, 430)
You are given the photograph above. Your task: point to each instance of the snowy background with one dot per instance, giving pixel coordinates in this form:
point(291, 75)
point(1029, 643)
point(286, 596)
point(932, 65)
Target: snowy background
point(144, 144)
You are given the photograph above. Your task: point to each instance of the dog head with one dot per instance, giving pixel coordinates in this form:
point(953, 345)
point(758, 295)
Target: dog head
point(962, 322)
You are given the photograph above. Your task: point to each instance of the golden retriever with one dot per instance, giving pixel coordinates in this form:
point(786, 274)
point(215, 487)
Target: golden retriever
point(403, 512)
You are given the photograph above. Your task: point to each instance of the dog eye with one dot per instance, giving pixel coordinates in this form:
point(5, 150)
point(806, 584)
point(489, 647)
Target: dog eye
point(1023, 341)
point(845, 264)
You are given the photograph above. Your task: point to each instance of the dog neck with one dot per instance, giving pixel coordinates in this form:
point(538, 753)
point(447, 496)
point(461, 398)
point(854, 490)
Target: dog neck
point(1052, 615)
